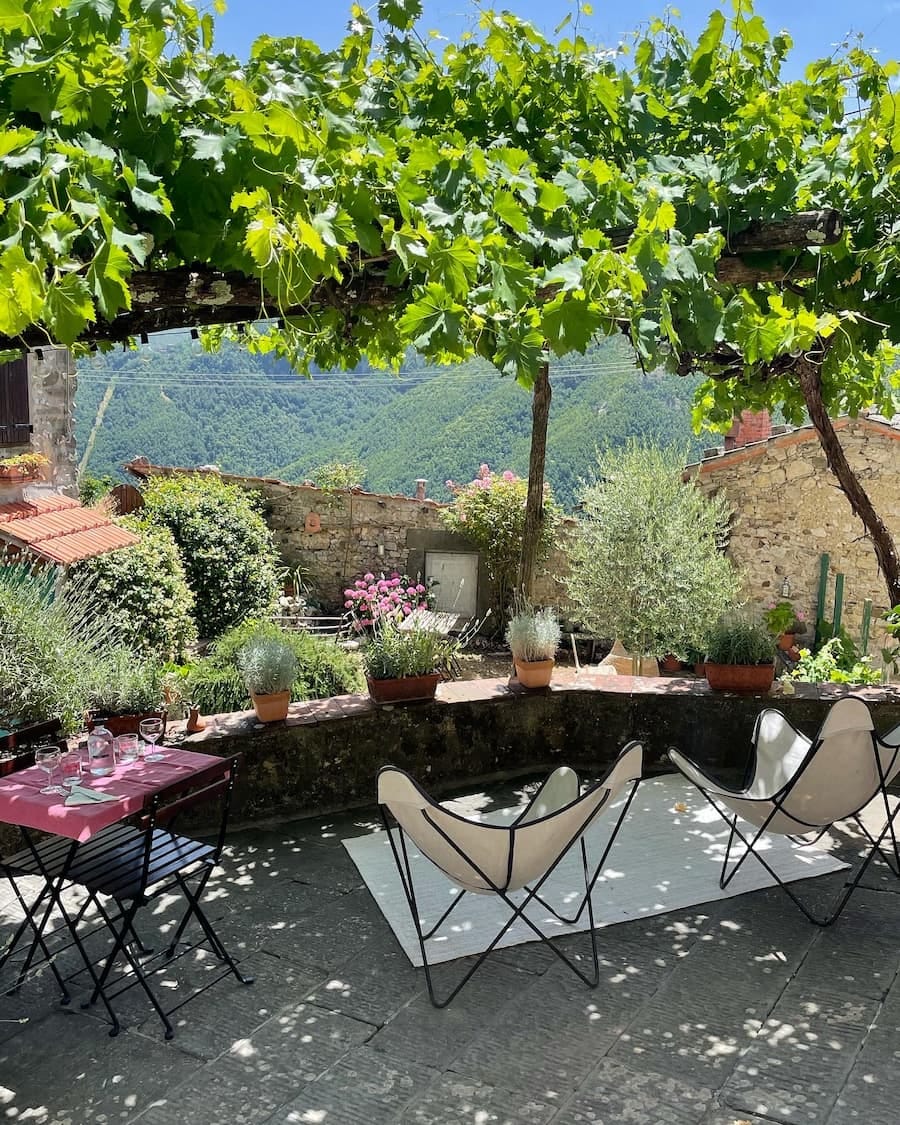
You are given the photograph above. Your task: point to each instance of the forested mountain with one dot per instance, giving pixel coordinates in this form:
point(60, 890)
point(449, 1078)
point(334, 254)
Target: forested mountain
point(247, 414)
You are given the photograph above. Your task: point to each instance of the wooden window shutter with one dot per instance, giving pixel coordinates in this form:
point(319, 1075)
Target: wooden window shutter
point(15, 419)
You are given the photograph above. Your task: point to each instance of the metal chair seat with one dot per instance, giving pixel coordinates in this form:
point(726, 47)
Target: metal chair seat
point(49, 856)
point(126, 869)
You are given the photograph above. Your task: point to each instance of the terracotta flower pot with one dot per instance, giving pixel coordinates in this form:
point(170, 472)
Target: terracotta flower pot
point(405, 689)
point(271, 708)
point(534, 673)
point(787, 641)
point(670, 663)
point(740, 677)
point(10, 475)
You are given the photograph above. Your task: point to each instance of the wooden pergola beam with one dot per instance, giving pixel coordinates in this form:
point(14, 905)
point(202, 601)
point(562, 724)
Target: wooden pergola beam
point(198, 297)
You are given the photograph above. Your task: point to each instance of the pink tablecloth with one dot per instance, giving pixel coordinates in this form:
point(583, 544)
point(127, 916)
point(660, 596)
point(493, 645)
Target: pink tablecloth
point(22, 803)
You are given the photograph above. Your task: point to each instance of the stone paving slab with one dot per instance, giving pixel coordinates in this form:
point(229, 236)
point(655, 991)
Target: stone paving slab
point(799, 1062)
point(734, 1013)
point(616, 1093)
point(362, 1087)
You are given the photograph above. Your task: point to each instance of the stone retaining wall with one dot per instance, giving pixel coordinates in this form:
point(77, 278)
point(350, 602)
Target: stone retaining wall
point(326, 756)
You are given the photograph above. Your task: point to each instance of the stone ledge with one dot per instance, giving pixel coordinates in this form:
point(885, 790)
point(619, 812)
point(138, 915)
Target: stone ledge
point(328, 752)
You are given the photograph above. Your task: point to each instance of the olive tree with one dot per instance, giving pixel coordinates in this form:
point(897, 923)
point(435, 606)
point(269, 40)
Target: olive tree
point(647, 558)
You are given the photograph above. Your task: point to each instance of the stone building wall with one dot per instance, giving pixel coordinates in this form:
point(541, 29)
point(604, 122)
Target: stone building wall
point(337, 535)
point(51, 388)
point(789, 510)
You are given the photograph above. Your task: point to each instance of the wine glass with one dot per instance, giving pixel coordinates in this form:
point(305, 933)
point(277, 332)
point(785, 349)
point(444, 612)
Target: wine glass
point(151, 731)
point(46, 758)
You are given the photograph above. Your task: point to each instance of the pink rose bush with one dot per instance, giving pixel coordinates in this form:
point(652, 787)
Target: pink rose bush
point(396, 595)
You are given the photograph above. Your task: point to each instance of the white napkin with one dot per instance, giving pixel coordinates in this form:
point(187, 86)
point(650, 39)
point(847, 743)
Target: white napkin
point(79, 795)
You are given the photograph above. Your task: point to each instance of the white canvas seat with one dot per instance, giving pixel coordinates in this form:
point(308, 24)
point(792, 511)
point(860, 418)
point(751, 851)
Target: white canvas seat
point(800, 787)
point(500, 859)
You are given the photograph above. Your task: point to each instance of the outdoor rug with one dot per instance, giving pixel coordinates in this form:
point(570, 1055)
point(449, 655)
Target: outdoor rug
point(667, 856)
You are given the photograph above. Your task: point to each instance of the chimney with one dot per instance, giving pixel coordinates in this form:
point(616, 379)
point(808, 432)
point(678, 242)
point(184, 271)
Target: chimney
point(420, 488)
point(751, 426)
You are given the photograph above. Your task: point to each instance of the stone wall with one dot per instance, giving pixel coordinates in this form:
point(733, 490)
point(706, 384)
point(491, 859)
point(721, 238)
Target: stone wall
point(789, 511)
point(337, 535)
point(51, 386)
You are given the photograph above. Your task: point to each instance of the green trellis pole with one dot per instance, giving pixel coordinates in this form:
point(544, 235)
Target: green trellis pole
point(838, 603)
point(866, 625)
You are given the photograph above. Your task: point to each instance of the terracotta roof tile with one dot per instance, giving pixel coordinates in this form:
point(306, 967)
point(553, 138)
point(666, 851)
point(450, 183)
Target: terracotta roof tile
point(59, 529)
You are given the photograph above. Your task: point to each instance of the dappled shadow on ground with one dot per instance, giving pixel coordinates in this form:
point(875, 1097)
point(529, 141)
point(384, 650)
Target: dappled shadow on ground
point(736, 1010)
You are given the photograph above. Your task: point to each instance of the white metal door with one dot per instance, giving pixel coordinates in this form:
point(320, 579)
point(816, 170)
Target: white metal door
point(457, 575)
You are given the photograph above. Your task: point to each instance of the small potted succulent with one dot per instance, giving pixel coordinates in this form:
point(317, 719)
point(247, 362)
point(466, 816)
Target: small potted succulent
point(269, 668)
point(740, 655)
point(534, 635)
point(405, 665)
point(23, 468)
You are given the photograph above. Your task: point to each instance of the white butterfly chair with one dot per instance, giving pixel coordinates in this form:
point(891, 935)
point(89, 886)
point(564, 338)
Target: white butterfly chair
point(484, 858)
point(800, 788)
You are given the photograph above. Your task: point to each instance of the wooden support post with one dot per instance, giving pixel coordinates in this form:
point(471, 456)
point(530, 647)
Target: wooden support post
point(824, 561)
point(866, 626)
point(838, 603)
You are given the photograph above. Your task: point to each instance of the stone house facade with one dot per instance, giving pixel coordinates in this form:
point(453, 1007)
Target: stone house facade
point(37, 396)
point(789, 511)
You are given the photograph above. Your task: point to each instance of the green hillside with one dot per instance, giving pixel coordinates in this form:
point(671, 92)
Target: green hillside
point(247, 414)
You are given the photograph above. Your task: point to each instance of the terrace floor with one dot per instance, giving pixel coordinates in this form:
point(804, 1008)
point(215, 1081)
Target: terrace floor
point(738, 1013)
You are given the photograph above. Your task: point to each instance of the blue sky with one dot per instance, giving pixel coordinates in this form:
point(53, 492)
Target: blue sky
point(814, 24)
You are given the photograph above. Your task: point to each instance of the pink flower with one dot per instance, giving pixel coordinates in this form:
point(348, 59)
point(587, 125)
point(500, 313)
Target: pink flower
point(395, 581)
point(508, 475)
point(348, 593)
point(369, 577)
point(359, 584)
point(420, 589)
point(407, 609)
point(348, 605)
point(411, 591)
point(367, 621)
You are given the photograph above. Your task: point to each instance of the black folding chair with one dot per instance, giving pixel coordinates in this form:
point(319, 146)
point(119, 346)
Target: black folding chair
point(150, 859)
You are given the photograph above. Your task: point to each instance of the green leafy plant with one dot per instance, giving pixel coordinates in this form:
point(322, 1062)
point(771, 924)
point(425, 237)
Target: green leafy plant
point(489, 511)
point(324, 669)
point(267, 664)
point(91, 489)
point(533, 634)
point(891, 654)
point(227, 551)
point(47, 649)
point(142, 591)
point(781, 617)
point(739, 639)
point(123, 682)
point(339, 475)
point(392, 653)
point(830, 665)
point(647, 557)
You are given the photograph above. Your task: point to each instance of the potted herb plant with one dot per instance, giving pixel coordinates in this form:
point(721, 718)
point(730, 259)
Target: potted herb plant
point(783, 622)
point(739, 655)
point(533, 635)
point(404, 665)
point(125, 688)
point(269, 668)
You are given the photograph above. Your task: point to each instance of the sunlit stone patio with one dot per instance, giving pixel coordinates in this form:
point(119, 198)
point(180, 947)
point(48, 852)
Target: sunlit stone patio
point(739, 1012)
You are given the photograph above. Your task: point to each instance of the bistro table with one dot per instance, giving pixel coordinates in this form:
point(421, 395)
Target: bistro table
point(74, 830)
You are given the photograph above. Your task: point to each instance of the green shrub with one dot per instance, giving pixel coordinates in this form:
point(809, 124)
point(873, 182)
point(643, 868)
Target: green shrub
point(52, 646)
point(226, 549)
point(338, 475)
point(324, 669)
point(832, 664)
point(647, 560)
point(123, 682)
point(736, 639)
point(91, 490)
point(142, 592)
